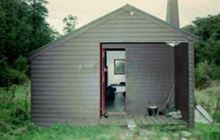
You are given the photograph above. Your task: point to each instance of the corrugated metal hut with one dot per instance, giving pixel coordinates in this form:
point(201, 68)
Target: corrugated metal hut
point(69, 81)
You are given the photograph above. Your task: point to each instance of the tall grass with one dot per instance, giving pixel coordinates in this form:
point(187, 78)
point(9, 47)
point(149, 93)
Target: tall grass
point(209, 98)
point(206, 132)
point(66, 132)
point(14, 108)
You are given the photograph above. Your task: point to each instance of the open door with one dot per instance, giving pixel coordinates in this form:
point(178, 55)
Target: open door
point(113, 83)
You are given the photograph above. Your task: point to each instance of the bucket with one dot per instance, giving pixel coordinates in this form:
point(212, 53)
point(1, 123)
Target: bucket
point(152, 110)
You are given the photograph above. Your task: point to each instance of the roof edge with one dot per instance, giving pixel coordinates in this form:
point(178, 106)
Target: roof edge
point(103, 19)
point(76, 32)
point(193, 37)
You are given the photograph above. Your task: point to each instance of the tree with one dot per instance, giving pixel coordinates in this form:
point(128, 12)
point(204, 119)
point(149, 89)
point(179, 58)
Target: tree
point(42, 33)
point(208, 31)
point(207, 49)
point(23, 28)
point(69, 24)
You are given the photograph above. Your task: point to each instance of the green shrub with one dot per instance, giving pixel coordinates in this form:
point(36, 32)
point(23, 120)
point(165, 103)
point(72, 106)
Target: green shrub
point(216, 116)
point(206, 72)
point(209, 99)
point(202, 75)
point(14, 106)
point(15, 77)
point(21, 64)
point(208, 131)
point(10, 76)
point(215, 72)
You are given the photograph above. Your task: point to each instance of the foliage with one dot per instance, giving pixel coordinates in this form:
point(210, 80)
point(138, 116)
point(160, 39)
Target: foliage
point(216, 115)
point(209, 98)
point(23, 28)
point(207, 49)
point(202, 74)
point(70, 24)
point(14, 76)
point(15, 109)
point(207, 131)
point(21, 64)
point(205, 73)
point(208, 31)
point(200, 132)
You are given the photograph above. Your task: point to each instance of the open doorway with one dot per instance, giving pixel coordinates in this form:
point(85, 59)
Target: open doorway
point(113, 81)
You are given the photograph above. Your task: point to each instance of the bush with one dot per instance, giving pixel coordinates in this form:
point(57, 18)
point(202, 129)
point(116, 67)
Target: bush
point(13, 76)
point(14, 107)
point(16, 74)
point(206, 72)
point(208, 131)
point(209, 98)
point(21, 64)
point(216, 116)
point(215, 73)
point(202, 75)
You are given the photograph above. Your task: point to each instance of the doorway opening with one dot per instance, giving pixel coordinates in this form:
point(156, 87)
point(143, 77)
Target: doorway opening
point(113, 77)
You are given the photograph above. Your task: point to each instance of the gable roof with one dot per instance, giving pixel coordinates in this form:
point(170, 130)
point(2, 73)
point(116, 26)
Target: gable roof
point(104, 18)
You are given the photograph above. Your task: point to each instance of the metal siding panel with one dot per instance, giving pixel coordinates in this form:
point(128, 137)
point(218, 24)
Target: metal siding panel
point(182, 80)
point(68, 87)
point(149, 78)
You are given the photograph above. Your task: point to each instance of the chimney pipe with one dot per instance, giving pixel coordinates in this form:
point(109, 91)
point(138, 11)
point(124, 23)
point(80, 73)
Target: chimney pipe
point(173, 13)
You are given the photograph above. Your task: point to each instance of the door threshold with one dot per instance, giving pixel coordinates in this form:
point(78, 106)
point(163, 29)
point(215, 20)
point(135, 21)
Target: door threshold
point(117, 113)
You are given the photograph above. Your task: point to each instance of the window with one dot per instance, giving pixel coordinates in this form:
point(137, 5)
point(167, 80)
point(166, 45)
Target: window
point(119, 66)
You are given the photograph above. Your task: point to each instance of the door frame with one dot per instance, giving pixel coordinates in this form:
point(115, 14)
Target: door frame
point(103, 50)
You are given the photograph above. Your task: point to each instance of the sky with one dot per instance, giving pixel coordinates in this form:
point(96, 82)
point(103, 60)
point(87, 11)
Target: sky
point(89, 10)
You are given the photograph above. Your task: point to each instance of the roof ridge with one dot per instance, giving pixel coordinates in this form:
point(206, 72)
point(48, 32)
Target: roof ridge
point(166, 23)
point(126, 7)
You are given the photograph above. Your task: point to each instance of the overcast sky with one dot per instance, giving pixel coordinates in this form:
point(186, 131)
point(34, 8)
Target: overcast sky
point(89, 10)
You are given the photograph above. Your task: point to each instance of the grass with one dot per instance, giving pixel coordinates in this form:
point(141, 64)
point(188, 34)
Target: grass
point(15, 122)
point(65, 132)
point(207, 132)
point(15, 104)
point(14, 108)
point(209, 98)
point(200, 132)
